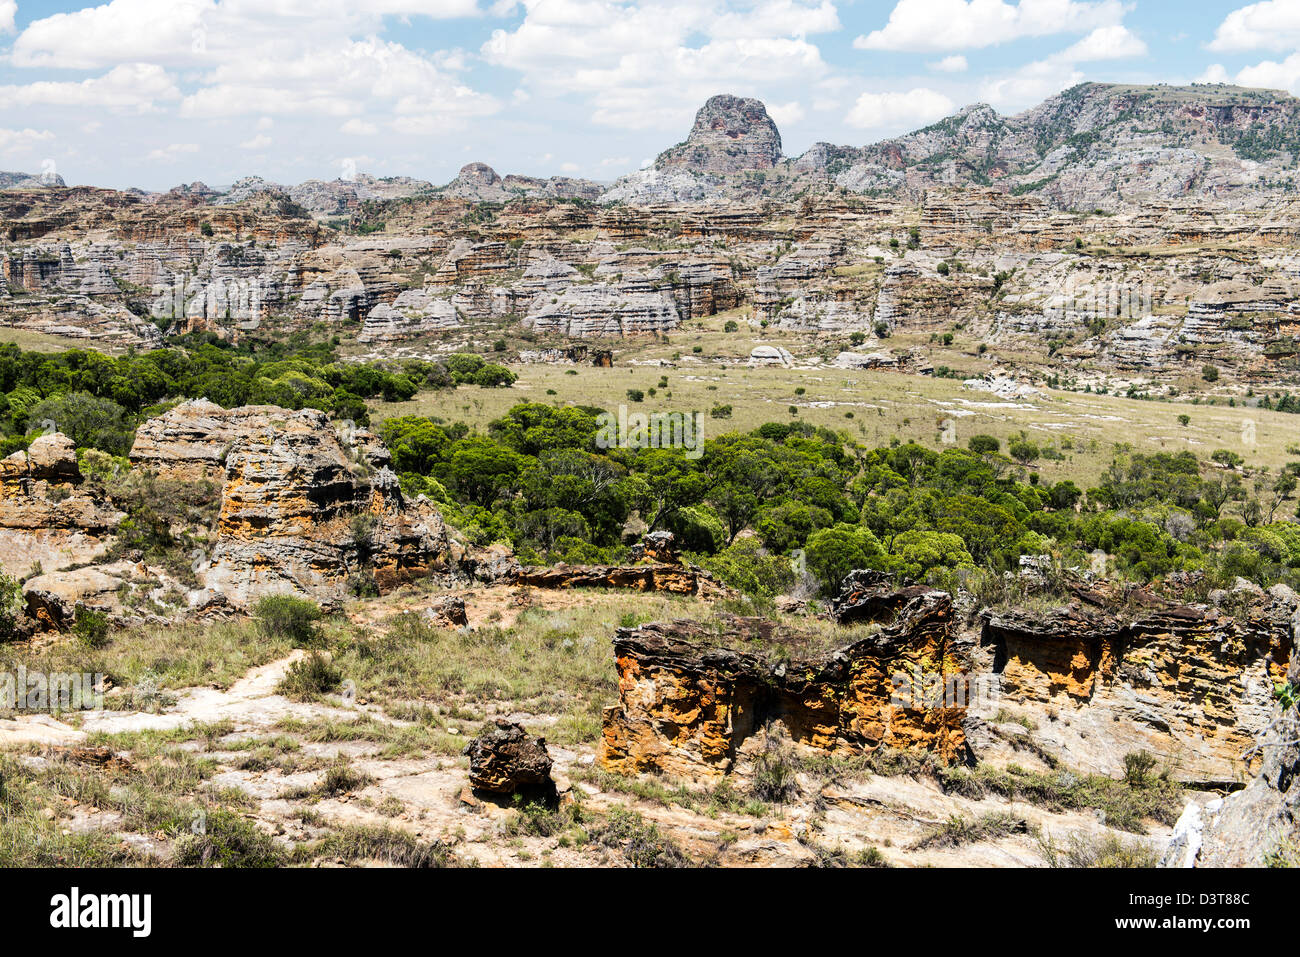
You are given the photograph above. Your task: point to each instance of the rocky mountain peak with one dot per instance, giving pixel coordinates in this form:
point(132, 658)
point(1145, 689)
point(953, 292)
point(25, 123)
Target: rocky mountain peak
point(478, 174)
point(730, 133)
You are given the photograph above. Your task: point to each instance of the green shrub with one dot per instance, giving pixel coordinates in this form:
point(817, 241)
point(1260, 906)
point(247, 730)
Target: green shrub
point(289, 618)
point(11, 607)
point(310, 677)
point(227, 839)
point(90, 626)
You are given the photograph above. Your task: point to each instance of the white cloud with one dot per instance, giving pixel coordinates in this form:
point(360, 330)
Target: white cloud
point(1040, 79)
point(356, 127)
point(20, 141)
point(1114, 42)
point(1270, 74)
point(173, 32)
point(299, 57)
point(346, 78)
point(893, 111)
point(925, 26)
point(259, 142)
point(1271, 25)
point(1214, 73)
point(951, 64)
point(133, 86)
point(172, 152)
point(648, 64)
point(785, 114)
point(8, 10)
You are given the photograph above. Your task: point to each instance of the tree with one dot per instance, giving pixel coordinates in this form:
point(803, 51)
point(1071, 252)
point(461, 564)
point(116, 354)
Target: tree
point(1024, 452)
point(833, 552)
point(1278, 493)
point(88, 421)
point(983, 444)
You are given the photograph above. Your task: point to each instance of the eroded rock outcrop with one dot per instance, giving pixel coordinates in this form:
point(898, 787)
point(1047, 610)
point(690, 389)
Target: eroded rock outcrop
point(731, 133)
point(48, 516)
point(653, 576)
point(688, 699)
point(601, 309)
point(1190, 683)
point(304, 509)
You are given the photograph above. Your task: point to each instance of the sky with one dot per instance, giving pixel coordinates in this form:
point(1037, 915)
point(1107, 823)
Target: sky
point(152, 93)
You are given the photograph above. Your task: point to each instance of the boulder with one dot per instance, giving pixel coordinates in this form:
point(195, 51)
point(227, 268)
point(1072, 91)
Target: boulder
point(505, 760)
point(770, 356)
point(448, 610)
point(658, 547)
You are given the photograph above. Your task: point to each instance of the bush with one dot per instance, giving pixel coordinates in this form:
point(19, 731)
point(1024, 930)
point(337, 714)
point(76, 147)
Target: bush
point(309, 677)
point(1137, 768)
point(11, 607)
point(642, 843)
point(228, 840)
point(88, 421)
point(774, 771)
point(90, 627)
point(1210, 373)
point(748, 567)
point(983, 444)
point(288, 618)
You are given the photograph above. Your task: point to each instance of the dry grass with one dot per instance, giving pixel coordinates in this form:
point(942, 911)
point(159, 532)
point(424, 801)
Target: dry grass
point(883, 405)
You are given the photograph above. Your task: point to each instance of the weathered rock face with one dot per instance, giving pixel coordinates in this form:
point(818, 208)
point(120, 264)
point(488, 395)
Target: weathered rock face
point(1092, 145)
point(47, 515)
point(505, 760)
point(687, 705)
point(601, 309)
point(302, 510)
point(731, 133)
point(117, 588)
point(659, 547)
point(190, 441)
point(675, 579)
point(413, 313)
point(1187, 682)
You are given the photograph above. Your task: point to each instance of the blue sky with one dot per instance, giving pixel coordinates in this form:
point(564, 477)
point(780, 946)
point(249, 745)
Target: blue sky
point(152, 93)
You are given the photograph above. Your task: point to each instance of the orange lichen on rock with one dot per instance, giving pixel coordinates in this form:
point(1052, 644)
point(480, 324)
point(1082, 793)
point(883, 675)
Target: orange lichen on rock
point(686, 705)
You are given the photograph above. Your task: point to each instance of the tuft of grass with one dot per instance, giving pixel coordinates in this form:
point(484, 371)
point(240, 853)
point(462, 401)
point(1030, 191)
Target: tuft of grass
point(384, 845)
point(289, 619)
point(1108, 850)
point(227, 839)
point(641, 842)
point(958, 830)
point(340, 778)
point(1124, 806)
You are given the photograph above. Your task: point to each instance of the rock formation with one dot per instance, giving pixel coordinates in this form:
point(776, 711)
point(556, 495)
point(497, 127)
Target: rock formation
point(504, 760)
point(688, 700)
point(600, 310)
point(48, 515)
point(303, 510)
point(731, 133)
point(1191, 682)
point(653, 576)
